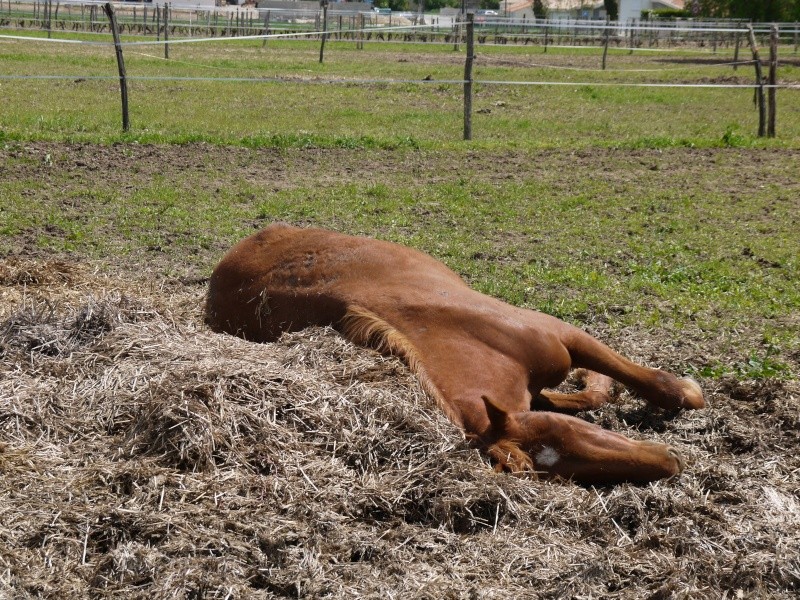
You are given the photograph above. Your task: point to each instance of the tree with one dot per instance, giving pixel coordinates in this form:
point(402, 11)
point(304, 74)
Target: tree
point(612, 9)
point(432, 5)
point(539, 10)
point(396, 5)
point(764, 10)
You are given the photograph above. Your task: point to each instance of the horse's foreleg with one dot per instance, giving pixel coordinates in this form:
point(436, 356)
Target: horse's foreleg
point(596, 392)
point(657, 387)
point(560, 445)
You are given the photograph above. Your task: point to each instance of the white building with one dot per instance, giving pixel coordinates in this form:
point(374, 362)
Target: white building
point(585, 9)
point(632, 9)
point(201, 4)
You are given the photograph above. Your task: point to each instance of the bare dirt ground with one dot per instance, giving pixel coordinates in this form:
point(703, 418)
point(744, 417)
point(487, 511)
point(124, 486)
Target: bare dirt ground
point(143, 456)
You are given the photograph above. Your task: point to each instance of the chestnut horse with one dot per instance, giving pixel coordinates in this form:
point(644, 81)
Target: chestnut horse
point(486, 363)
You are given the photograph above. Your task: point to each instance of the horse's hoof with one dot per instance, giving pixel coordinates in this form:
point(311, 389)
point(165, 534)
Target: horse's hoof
point(680, 463)
point(692, 394)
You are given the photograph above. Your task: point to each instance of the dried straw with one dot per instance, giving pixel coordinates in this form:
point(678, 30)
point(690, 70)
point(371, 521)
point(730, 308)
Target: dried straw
point(143, 456)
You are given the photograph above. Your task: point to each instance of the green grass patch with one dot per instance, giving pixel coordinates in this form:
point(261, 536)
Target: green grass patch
point(672, 240)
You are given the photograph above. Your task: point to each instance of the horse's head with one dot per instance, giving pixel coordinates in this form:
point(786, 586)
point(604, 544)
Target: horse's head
point(551, 444)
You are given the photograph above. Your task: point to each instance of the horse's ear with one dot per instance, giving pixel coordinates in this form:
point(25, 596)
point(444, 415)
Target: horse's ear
point(497, 416)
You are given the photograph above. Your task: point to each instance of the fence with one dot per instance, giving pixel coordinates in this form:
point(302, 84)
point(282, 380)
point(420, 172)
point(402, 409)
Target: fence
point(44, 14)
point(342, 24)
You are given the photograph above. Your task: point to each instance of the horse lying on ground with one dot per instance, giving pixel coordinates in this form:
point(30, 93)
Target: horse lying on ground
point(486, 363)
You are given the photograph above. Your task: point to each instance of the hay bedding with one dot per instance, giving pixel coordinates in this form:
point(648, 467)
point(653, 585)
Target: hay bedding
point(142, 456)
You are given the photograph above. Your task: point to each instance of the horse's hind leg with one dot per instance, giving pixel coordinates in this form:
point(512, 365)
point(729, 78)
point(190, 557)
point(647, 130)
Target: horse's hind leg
point(657, 387)
point(596, 392)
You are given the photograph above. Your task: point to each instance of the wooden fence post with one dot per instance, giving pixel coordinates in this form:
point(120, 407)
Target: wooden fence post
point(166, 30)
point(324, 4)
point(123, 78)
point(772, 92)
point(759, 92)
point(468, 77)
point(736, 52)
point(546, 33)
point(605, 42)
point(49, 16)
point(633, 26)
point(266, 29)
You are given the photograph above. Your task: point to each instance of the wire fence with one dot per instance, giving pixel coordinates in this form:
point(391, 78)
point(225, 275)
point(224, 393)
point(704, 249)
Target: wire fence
point(135, 19)
point(466, 31)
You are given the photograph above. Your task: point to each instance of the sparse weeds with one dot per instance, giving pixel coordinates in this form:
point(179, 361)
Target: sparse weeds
point(734, 138)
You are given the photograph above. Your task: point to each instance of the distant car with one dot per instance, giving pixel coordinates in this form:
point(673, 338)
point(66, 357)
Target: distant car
point(488, 13)
point(382, 11)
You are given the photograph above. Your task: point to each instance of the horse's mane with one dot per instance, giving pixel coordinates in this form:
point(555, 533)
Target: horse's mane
point(508, 456)
point(363, 327)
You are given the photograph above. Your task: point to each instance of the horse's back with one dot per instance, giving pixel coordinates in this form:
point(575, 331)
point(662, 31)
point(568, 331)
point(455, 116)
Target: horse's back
point(285, 278)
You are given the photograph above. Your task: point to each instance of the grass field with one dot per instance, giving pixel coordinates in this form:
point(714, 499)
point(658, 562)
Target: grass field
point(305, 108)
point(143, 456)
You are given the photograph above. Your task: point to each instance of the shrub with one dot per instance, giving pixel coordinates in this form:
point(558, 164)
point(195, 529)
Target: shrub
point(666, 13)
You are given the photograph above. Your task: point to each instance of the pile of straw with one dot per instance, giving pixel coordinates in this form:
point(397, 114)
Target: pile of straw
point(143, 456)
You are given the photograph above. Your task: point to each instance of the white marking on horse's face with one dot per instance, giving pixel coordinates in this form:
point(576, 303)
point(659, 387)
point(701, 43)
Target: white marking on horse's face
point(547, 457)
